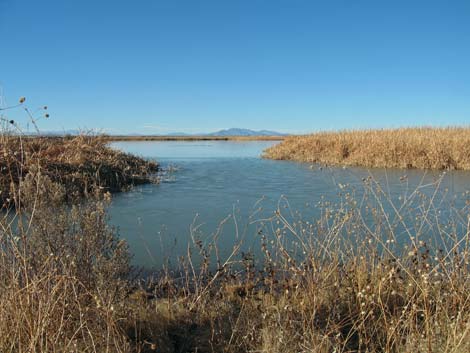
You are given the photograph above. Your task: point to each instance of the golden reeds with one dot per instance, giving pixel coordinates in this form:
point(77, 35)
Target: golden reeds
point(425, 148)
point(83, 164)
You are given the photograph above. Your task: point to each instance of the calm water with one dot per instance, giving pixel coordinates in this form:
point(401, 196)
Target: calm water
point(207, 181)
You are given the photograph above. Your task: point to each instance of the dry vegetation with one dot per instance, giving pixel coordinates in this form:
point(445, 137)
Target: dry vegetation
point(426, 148)
point(370, 274)
point(84, 164)
point(357, 279)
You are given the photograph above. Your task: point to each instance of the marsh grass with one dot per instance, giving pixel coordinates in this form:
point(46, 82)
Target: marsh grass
point(424, 148)
point(338, 283)
point(83, 164)
point(63, 271)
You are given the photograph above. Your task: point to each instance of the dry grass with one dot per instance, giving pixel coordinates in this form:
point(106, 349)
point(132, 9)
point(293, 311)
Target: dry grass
point(63, 275)
point(370, 274)
point(357, 279)
point(425, 148)
point(84, 164)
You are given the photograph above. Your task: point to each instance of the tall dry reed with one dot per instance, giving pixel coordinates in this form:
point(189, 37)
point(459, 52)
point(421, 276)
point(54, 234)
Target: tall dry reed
point(64, 273)
point(426, 148)
point(83, 164)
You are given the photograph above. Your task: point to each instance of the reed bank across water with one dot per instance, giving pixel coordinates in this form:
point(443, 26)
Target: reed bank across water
point(192, 138)
point(422, 147)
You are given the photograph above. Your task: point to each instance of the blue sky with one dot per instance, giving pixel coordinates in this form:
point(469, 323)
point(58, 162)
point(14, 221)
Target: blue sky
point(153, 66)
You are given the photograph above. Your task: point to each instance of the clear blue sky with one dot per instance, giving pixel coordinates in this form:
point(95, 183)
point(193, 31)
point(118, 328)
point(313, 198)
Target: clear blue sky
point(155, 66)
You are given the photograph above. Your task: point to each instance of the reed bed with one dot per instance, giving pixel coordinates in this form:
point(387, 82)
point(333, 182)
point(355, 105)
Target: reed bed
point(84, 165)
point(423, 148)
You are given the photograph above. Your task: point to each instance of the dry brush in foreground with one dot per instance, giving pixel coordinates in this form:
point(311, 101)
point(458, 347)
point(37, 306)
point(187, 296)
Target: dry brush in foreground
point(424, 148)
point(370, 274)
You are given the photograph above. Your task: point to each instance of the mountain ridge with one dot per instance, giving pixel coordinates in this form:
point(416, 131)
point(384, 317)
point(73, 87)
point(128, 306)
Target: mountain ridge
point(223, 132)
point(245, 132)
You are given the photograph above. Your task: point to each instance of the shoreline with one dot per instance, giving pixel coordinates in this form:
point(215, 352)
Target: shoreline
point(192, 138)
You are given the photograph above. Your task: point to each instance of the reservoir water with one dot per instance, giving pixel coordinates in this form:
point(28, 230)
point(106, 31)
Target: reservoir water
point(207, 182)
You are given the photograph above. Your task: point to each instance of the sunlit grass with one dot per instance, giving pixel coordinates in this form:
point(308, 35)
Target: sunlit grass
point(426, 148)
point(84, 165)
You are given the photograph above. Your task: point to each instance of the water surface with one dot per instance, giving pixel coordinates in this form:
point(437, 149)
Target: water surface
point(208, 181)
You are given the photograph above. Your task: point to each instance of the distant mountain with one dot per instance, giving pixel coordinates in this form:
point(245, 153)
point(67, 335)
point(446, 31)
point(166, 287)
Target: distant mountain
point(225, 132)
point(244, 132)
